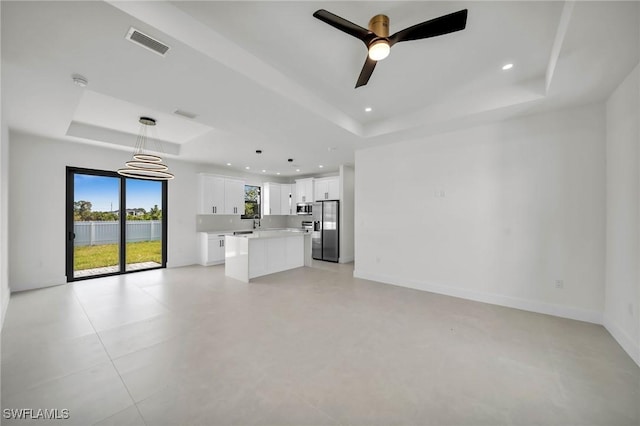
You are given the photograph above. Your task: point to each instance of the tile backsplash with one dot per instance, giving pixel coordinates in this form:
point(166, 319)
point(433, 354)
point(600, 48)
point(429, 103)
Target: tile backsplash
point(209, 222)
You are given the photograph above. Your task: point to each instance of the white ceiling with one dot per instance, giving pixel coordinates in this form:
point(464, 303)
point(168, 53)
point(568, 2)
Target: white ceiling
point(267, 75)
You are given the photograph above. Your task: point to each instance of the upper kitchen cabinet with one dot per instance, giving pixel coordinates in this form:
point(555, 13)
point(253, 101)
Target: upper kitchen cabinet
point(220, 195)
point(287, 200)
point(327, 188)
point(304, 190)
point(278, 199)
point(234, 196)
point(211, 195)
point(272, 199)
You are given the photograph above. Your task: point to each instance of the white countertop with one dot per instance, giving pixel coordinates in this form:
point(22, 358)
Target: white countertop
point(272, 233)
point(259, 233)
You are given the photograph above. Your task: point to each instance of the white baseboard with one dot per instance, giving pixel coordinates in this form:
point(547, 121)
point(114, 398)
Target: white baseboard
point(171, 265)
point(630, 347)
point(491, 298)
point(346, 259)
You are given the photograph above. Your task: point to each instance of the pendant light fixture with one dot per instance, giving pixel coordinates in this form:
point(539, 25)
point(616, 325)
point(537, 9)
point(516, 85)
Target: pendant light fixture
point(145, 166)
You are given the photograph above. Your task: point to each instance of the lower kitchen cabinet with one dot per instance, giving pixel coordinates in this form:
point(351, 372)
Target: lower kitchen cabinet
point(211, 248)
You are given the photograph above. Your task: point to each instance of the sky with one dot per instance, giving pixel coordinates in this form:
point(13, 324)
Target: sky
point(104, 192)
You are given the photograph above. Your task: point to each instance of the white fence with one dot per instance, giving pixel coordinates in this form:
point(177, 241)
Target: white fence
point(108, 232)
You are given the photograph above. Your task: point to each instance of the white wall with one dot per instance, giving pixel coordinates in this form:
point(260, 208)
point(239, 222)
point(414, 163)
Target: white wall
point(497, 213)
point(4, 222)
point(37, 192)
point(622, 289)
point(347, 193)
point(4, 212)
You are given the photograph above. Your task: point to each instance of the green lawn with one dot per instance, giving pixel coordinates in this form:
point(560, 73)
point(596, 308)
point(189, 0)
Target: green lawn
point(89, 257)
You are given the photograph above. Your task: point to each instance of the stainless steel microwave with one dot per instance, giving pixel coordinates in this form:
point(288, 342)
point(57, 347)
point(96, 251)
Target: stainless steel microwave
point(304, 208)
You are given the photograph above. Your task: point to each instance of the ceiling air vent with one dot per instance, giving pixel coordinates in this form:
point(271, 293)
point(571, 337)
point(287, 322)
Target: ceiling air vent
point(147, 42)
point(185, 113)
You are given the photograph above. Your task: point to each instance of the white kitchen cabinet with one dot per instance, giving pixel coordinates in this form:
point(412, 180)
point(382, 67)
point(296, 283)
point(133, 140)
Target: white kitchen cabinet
point(287, 202)
point(211, 195)
point(272, 199)
point(258, 259)
point(304, 190)
point(327, 188)
point(211, 248)
point(233, 196)
point(262, 253)
point(221, 195)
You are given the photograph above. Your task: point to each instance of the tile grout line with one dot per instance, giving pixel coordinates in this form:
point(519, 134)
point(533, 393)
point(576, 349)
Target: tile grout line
point(110, 359)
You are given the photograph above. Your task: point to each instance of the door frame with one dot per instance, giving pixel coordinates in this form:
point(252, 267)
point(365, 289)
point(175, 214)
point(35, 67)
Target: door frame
point(69, 228)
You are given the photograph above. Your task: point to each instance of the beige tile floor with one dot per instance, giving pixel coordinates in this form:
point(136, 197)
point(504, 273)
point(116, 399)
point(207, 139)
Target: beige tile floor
point(310, 346)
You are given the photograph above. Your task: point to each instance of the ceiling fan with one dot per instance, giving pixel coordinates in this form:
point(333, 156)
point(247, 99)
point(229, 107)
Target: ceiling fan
point(377, 38)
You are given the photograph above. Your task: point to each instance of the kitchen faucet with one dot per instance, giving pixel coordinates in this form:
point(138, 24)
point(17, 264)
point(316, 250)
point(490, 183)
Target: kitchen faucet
point(256, 223)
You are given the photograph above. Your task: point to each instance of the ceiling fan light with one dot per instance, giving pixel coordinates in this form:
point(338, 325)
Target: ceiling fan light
point(379, 50)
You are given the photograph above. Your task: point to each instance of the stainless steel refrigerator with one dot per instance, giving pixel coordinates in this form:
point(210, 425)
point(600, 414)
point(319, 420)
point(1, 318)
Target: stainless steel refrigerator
point(325, 239)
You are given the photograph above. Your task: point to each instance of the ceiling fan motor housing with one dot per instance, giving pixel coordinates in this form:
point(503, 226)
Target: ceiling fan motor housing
point(379, 25)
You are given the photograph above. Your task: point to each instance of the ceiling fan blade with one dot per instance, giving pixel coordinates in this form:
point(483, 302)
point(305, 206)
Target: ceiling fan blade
point(367, 70)
point(443, 25)
point(345, 26)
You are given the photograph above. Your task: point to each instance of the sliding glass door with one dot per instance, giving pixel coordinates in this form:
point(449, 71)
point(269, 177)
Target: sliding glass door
point(114, 224)
point(143, 232)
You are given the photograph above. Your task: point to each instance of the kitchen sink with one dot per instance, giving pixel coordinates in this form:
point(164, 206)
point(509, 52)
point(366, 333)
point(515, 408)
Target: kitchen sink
point(242, 232)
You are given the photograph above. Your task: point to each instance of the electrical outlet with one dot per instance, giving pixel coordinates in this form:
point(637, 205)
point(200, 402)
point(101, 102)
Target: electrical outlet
point(377, 260)
point(559, 284)
point(630, 308)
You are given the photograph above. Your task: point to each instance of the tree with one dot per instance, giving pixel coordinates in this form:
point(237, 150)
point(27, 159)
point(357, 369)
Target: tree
point(82, 210)
point(155, 213)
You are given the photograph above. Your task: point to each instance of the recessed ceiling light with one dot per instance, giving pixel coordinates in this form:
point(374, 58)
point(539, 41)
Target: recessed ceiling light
point(507, 67)
point(264, 171)
point(297, 170)
point(368, 109)
point(247, 167)
point(228, 164)
point(321, 166)
point(278, 173)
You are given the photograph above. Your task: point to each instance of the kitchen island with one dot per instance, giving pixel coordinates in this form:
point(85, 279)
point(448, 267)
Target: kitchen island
point(261, 253)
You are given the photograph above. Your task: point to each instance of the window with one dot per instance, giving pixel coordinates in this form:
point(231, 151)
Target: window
point(251, 202)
